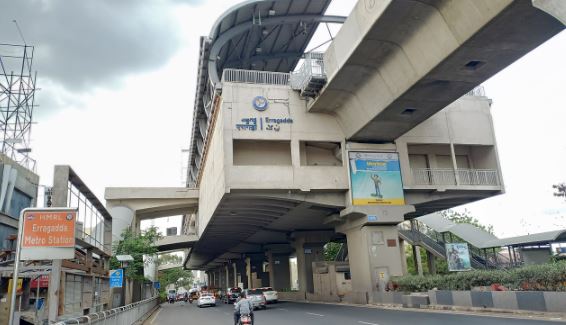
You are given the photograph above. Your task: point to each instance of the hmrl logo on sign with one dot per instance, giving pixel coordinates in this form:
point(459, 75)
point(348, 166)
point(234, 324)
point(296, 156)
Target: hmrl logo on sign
point(260, 103)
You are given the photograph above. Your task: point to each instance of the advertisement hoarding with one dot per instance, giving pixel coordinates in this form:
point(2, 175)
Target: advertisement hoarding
point(458, 257)
point(375, 178)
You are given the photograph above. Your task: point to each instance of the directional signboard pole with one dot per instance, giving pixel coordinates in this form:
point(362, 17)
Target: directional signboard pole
point(43, 234)
point(16, 270)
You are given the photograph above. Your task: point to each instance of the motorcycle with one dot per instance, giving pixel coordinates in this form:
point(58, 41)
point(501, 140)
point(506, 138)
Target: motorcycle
point(171, 300)
point(245, 319)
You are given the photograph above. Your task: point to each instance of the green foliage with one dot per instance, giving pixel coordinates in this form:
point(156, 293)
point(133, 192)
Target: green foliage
point(331, 249)
point(465, 217)
point(441, 264)
point(170, 259)
point(546, 277)
point(560, 190)
point(177, 276)
point(136, 245)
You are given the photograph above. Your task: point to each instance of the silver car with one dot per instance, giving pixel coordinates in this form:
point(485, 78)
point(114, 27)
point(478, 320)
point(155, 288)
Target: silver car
point(206, 300)
point(257, 298)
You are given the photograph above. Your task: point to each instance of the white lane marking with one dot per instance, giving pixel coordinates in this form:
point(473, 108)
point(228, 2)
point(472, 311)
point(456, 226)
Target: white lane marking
point(366, 323)
point(315, 314)
point(283, 309)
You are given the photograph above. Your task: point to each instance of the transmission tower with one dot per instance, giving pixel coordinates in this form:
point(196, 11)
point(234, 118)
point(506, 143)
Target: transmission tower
point(17, 95)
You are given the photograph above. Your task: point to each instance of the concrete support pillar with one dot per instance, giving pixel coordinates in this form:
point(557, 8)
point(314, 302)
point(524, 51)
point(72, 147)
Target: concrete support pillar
point(374, 252)
point(431, 262)
point(235, 275)
point(403, 256)
point(309, 248)
point(417, 259)
point(227, 273)
point(249, 272)
point(279, 271)
point(241, 269)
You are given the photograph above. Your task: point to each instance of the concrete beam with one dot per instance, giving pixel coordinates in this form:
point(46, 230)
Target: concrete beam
point(396, 63)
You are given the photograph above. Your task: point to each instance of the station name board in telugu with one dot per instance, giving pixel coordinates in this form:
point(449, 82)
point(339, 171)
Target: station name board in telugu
point(262, 124)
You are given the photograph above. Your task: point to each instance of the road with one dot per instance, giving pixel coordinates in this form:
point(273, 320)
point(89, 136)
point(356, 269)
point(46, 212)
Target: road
point(287, 313)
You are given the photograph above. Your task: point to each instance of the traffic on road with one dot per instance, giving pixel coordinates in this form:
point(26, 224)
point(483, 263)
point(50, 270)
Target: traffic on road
point(285, 313)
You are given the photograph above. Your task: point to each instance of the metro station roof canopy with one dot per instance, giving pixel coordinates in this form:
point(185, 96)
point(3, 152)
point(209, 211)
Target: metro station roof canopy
point(264, 35)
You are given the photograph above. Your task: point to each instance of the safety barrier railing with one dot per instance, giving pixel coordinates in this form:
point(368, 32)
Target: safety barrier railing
point(256, 77)
point(487, 177)
point(428, 176)
point(125, 315)
point(447, 176)
point(312, 67)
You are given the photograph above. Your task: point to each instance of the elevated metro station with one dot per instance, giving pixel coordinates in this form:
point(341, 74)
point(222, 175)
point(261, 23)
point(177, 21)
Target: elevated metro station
point(291, 149)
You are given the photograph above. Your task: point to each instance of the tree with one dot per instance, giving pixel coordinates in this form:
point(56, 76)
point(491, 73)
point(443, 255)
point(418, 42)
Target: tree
point(331, 250)
point(170, 259)
point(465, 217)
point(136, 245)
point(560, 190)
point(177, 276)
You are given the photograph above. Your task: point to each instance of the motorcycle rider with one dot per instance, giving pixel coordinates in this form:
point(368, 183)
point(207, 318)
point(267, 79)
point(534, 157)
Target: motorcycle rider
point(242, 307)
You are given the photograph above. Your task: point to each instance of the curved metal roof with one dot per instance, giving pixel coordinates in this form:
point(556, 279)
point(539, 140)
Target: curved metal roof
point(482, 239)
point(266, 35)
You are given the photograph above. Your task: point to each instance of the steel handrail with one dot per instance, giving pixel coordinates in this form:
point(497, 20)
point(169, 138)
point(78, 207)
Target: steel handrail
point(114, 314)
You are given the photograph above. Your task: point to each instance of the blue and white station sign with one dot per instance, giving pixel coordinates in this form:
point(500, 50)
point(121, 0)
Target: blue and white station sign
point(116, 278)
point(260, 103)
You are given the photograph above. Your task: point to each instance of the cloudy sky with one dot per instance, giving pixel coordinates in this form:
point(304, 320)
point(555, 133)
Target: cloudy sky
point(117, 83)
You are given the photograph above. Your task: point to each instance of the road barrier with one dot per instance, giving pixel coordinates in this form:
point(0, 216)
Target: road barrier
point(125, 315)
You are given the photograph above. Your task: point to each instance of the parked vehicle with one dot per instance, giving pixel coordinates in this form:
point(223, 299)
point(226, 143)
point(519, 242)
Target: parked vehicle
point(231, 295)
point(206, 299)
point(271, 296)
point(245, 319)
point(257, 298)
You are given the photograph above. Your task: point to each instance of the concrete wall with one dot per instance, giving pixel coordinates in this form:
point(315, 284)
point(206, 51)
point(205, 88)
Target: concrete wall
point(213, 182)
point(270, 159)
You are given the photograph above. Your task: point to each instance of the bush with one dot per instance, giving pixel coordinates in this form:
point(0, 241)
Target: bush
point(546, 277)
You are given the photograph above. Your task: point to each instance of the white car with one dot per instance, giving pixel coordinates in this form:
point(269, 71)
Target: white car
point(271, 295)
point(206, 300)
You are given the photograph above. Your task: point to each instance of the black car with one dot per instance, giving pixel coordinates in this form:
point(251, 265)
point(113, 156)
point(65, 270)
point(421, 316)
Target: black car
point(231, 295)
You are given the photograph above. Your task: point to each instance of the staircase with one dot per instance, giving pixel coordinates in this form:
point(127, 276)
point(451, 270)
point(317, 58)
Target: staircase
point(311, 77)
point(438, 248)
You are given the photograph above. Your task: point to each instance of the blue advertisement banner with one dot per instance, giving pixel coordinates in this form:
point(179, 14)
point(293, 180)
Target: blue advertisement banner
point(376, 178)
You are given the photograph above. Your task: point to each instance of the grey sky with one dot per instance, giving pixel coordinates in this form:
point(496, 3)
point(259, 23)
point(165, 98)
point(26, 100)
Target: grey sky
point(81, 45)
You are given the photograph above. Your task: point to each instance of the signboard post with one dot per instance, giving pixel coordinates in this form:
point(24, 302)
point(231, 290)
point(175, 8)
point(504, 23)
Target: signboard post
point(116, 278)
point(47, 233)
point(376, 178)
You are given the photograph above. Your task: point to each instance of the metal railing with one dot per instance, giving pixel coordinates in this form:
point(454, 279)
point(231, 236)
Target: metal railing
point(488, 177)
point(125, 315)
point(478, 91)
point(429, 176)
point(313, 67)
point(447, 176)
point(256, 77)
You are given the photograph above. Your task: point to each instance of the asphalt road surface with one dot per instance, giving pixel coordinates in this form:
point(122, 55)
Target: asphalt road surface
point(287, 313)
